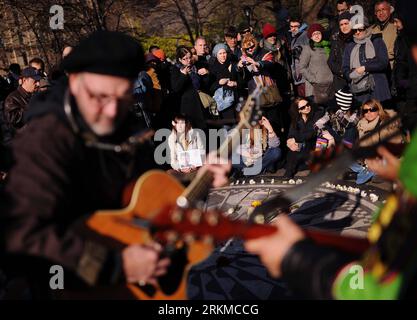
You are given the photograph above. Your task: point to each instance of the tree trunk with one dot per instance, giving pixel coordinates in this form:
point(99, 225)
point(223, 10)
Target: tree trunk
point(184, 20)
point(276, 6)
point(196, 18)
point(310, 9)
point(19, 36)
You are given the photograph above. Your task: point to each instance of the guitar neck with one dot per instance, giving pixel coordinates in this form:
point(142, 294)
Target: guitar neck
point(201, 184)
point(351, 245)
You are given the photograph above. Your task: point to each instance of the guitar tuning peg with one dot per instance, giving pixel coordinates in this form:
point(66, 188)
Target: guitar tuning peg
point(213, 218)
point(209, 240)
point(177, 216)
point(171, 237)
point(259, 219)
point(189, 238)
point(195, 217)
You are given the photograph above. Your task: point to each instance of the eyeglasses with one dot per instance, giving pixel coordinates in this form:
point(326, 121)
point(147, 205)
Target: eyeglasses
point(251, 47)
point(103, 100)
point(303, 107)
point(382, 10)
point(359, 30)
point(373, 109)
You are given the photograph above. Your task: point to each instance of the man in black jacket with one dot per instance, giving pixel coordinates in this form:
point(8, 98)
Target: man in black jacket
point(339, 41)
point(16, 102)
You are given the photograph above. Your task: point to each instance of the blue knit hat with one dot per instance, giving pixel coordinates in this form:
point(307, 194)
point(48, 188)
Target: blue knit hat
point(218, 47)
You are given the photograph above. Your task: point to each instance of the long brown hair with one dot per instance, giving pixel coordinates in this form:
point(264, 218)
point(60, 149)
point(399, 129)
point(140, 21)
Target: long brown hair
point(295, 114)
point(182, 117)
point(181, 52)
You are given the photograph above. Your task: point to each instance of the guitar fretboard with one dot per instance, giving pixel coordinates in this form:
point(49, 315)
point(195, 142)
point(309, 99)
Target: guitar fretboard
point(200, 186)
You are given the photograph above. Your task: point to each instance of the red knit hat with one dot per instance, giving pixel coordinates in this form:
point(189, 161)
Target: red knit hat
point(268, 30)
point(160, 54)
point(313, 28)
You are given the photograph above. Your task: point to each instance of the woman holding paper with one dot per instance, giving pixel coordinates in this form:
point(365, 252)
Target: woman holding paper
point(186, 147)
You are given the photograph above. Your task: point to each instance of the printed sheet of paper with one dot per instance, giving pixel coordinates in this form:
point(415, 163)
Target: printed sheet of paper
point(189, 158)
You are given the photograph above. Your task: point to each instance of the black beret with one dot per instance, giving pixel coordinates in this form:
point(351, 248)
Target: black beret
point(106, 52)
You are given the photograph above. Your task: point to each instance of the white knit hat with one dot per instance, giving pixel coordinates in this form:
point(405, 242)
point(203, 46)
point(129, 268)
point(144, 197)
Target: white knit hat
point(344, 99)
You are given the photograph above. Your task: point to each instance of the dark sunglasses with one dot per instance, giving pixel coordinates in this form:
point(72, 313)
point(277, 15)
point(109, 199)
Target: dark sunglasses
point(360, 30)
point(374, 109)
point(303, 107)
point(250, 48)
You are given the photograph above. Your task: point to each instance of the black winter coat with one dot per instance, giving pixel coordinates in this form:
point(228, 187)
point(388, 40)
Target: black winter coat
point(338, 45)
point(304, 132)
point(54, 182)
point(190, 103)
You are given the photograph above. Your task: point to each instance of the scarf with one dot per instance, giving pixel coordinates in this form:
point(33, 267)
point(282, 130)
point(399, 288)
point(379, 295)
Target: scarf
point(355, 54)
point(365, 126)
point(345, 37)
point(325, 45)
point(382, 25)
point(269, 47)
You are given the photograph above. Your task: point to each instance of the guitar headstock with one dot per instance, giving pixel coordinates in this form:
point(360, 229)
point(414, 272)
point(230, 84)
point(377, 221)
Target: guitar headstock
point(173, 224)
point(251, 111)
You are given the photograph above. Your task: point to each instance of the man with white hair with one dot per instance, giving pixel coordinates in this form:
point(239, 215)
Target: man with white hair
point(385, 26)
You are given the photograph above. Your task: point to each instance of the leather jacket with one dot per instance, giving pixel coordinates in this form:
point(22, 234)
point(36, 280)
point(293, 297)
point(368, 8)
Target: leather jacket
point(14, 107)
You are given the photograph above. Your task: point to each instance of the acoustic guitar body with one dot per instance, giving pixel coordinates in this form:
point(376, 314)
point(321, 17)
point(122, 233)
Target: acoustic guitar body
point(152, 191)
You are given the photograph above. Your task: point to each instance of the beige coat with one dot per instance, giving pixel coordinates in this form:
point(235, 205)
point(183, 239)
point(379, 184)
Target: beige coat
point(364, 127)
point(389, 35)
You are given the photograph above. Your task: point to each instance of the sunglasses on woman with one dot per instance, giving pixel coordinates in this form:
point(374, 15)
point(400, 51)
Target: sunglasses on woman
point(303, 107)
point(251, 47)
point(373, 109)
point(358, 30)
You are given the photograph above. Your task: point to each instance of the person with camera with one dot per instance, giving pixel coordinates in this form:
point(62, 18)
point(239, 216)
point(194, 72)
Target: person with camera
point(185, 83)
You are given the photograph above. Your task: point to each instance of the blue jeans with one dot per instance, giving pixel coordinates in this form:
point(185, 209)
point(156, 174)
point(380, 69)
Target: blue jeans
point(364, 175)
point(269, 159)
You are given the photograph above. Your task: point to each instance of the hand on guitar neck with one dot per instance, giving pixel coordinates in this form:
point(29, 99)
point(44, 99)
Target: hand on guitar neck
point(272, 249)
point(386, 166)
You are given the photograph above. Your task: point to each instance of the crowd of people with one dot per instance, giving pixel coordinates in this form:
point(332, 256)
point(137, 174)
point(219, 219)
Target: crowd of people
point(326, 83)
point(319, 78)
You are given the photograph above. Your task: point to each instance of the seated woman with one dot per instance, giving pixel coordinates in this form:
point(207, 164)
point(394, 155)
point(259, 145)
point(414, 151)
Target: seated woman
point(186, 147)
point(302, 135)
point(338, 125)
point(373, 116)
point(260, 151)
